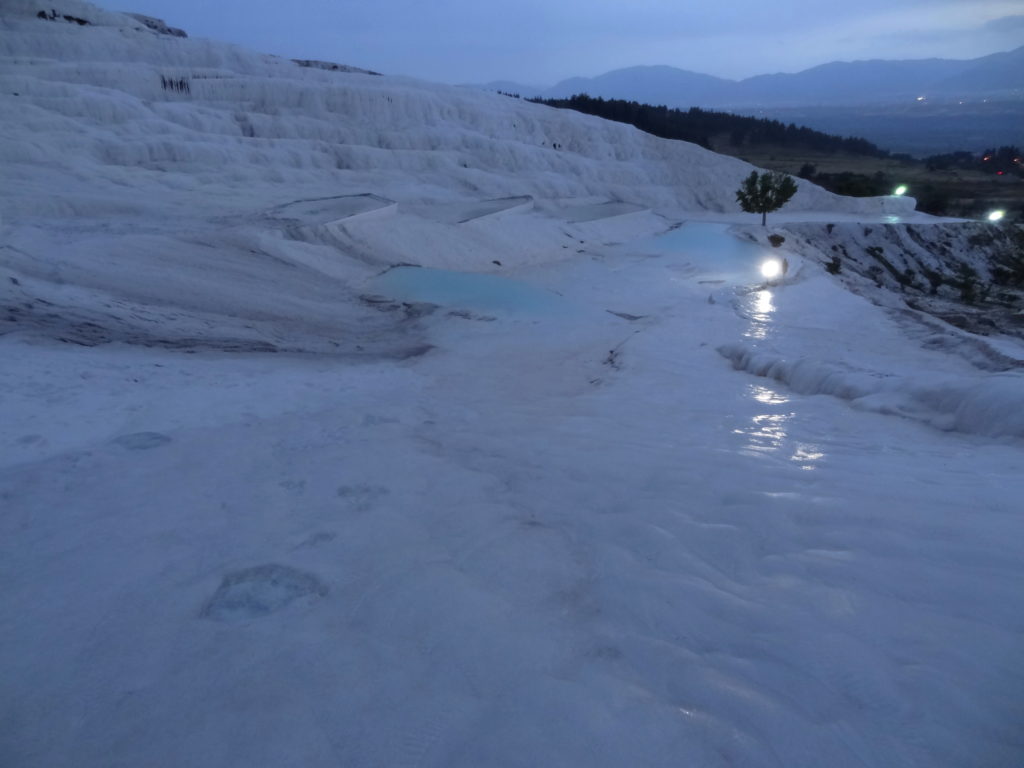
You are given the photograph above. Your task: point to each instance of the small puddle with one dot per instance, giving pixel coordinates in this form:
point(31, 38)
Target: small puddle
point(467, 290)
point(713, 252)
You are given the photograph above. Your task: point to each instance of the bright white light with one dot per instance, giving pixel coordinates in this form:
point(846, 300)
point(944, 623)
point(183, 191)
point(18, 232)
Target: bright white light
point(996, 215)
point(900, 190)
point(771, 268)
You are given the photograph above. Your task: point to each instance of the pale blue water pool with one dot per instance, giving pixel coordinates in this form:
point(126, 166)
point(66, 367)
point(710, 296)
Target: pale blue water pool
point(467, 290)
point(707, 248)
point(712, 250)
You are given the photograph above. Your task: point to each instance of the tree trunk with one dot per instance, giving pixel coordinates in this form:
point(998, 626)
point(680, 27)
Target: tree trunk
point(764, 218)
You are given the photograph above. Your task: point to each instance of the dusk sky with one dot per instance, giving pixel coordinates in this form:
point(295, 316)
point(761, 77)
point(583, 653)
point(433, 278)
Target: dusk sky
point(539, 42)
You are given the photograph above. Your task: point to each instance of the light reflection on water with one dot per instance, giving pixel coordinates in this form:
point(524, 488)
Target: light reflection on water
point(767, 396)
point(806, 454)
point(768, 433)
point(759, 308)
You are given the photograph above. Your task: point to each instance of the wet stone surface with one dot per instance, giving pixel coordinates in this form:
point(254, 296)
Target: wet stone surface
point(252, 593)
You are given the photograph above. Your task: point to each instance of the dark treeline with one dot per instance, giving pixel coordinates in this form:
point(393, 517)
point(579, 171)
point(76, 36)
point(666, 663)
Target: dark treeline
point(701, 126)
point(1004, 161)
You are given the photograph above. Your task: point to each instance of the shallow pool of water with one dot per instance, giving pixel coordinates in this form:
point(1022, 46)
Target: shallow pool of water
point(467, 290)
point(714, 252)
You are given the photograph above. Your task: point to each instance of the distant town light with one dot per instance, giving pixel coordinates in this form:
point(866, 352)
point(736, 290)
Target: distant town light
point(900, 190)
point(996, 215)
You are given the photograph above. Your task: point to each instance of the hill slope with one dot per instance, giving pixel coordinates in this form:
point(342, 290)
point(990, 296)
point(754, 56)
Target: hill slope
point(155, 154)
point(584, 498)
point(837, 83)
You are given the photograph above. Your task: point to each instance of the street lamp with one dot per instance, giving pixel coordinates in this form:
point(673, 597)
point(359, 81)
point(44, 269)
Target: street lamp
point(771, 268)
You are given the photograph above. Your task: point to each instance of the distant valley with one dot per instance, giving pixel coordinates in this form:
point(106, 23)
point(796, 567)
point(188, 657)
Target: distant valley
point(918, 129)
point(920, 107)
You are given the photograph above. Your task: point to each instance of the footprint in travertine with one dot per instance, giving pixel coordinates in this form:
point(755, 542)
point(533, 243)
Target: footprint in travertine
point(252, 593)
point(316, 539)
point(295, 486)
point(140, 441)
point(361, 497)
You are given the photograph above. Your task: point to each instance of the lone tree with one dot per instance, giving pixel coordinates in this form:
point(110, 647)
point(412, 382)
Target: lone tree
point(765, 192)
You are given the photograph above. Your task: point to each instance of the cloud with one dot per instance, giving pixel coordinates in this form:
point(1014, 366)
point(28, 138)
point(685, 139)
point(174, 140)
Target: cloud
point(547, 40)
point(1006, 24)
point(955, 37)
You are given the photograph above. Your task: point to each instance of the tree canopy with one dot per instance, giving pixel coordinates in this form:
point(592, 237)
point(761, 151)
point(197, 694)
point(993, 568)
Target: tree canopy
point(765, 192)
point(701, 126)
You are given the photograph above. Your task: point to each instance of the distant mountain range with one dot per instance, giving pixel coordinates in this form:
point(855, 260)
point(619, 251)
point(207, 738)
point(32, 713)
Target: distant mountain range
point(923, 93)
point(839, 83)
